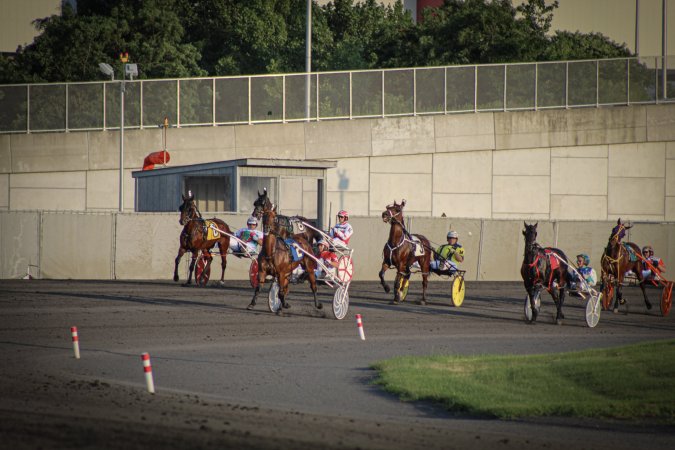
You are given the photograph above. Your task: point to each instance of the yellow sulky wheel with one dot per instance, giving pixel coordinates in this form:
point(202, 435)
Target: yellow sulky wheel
point(458, 288)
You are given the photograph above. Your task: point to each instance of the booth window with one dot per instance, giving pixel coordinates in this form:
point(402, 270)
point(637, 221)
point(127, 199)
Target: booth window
point(212, 193)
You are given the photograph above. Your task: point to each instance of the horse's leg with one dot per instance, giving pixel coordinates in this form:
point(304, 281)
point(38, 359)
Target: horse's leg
point(397, 280)
point(193, 261)
point(262, 273)
point(284, 280)
point(382, 282)
point(532, 292)
point(619, 296)
point(181, 252)
point(223, 261)
point(312, 283)
point(425, 281)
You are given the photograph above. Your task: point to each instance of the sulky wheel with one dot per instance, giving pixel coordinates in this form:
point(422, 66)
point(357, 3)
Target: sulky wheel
point(593, 310)
point(607, 296)
point(341, 302)
point(274, 302)
point(345, 269)
point(528, 310)
point(458, 288)
point(202, 271)
point(403, 288)
point(666, 298)
point(253, 273)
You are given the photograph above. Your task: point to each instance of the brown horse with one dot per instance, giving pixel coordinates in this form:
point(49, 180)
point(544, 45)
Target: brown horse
point(275, 259)
point(618, 258)
point(542, 268)
point(399, 253)
point(263, 203)
point(195, 238)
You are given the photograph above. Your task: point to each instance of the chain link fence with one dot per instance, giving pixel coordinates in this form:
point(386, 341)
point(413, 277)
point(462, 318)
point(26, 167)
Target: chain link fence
point(335, 95)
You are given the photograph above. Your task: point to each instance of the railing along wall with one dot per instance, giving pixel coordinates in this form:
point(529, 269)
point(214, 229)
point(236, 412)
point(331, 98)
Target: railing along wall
point(30, 108)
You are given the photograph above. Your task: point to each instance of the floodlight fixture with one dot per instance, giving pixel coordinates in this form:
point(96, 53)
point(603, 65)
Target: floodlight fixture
point(107, 70)
point(131, 70)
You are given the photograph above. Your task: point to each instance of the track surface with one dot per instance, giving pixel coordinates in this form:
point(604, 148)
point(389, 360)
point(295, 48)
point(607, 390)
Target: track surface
point(231, 378)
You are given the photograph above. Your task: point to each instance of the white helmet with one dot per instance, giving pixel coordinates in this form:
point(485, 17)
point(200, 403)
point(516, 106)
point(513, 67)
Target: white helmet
point(252, 221)
point(453, 234)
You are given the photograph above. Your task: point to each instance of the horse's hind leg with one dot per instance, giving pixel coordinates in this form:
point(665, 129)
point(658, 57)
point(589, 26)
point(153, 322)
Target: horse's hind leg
point(284, 279)
point(312, 283)
point(223, 261)
point(191, 269)
point(619, 297)
point(425, 281)
point(382, 282)
point(559, 298)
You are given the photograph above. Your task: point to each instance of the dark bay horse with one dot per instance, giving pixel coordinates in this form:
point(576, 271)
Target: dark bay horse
point(195, 238)
point(275, 259)
point(541, 269)
point(263, 203)
point(618, 258)
point(399, 252)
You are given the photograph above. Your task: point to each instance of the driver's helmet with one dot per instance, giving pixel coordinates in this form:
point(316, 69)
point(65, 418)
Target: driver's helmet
point(647, 248)
point(343, 213)
point(322, 242)
point(252, 221)
point(585, 258)
point(453, 234)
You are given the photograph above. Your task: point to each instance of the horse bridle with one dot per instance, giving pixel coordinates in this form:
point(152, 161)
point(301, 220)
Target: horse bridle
point(192, 212)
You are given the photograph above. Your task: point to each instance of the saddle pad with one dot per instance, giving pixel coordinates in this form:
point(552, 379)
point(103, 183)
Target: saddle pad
point(212, 232)
point(631, 253)
point(555, 262)
point(295, 254)
point(417, 244)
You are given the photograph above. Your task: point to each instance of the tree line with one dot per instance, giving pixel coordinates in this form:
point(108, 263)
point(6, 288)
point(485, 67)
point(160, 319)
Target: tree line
point(193, 38)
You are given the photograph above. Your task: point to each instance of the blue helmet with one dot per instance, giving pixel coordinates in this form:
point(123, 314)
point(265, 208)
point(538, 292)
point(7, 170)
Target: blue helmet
point(585, 257)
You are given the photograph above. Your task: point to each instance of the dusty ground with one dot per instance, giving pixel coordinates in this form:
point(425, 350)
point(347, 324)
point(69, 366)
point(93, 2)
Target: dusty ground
point(231, 378)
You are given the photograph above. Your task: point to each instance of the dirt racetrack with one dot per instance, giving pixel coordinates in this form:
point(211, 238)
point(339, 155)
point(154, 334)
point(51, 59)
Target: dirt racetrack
point(226, 377)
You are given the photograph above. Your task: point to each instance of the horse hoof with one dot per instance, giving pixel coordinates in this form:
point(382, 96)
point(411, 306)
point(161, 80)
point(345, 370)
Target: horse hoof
point(386, 289)
point(250, 306)
point(649, 306)
point(286, 305)
point(615, 310)
point(175, 278)
point(319, 306)
point(558, 321)
point(422, 302)
point(186, 284)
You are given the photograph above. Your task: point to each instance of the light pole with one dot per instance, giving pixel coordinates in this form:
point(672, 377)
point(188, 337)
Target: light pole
point(132, 71)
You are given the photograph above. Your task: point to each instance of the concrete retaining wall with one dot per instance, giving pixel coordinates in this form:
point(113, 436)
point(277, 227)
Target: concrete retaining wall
point(577, 164)
point(62, 245)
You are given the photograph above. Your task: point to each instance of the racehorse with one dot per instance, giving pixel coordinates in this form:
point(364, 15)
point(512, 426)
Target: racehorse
point(541, 268)
point(263, 203)
point(400, 252)
point(195, 238)
point(276, 259)
point(618, 258)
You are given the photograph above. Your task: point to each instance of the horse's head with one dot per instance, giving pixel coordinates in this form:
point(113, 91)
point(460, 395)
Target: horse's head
point(530, 233)
point(393, 213)
point(269, 220)
point(618, 232)
point(261, 204)
point(188, 209)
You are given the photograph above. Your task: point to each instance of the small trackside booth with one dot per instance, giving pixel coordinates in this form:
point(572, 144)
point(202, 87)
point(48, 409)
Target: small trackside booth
point(298, 187)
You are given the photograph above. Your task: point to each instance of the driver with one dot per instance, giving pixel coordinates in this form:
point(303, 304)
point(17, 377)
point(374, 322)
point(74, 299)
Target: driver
point(250, 235)
point(342, 231)
point(448, 255)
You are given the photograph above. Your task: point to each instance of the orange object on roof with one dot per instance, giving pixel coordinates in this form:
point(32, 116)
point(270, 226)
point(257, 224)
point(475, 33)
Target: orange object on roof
point(160, 157)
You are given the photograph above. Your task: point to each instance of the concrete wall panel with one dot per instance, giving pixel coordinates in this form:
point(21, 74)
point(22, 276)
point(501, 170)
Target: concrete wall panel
point(104, 149)
point(100, 195)
point(406, 164)
point(464, 132)
point(579, 176)
point(670, 150)
point(150, 246)
point(637, 160)
point(338, 139)
point(77, 246)
point(578, 207)
point(4, 191)
point(403, 135)
point(524, 195)
point(670, 209)
point(467, 173)
point(462, 205)
point(584, 151)
point(191, 145)
point(661, 123)
point(5, 155)
point(47, 152)
point(584, 237)
point(522, 162)
point(284, 141)
point(385, 188)
point(19, 244)
point(636, 196)
point(670, 177)
point(357, 203)
point(351, 174)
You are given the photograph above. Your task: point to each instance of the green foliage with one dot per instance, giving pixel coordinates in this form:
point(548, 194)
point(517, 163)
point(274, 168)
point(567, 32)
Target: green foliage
point(184, 38)
point(569, 384)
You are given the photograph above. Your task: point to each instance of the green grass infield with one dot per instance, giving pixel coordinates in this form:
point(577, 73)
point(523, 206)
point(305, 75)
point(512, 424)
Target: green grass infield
point(635, 382)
